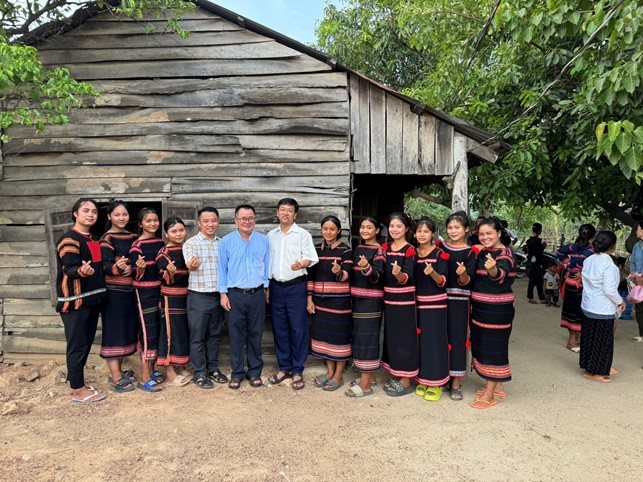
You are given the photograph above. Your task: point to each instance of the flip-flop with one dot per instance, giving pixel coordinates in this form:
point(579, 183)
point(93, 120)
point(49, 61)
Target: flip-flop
point(502, 394)
point(332, 385)
point(433, 394)
point(357, 382)
point(320, 380)
point(356, 392)
point(598, 378)
point(149, 386)
point(180, 381)
point(480, 404)
point(122, 386)
point(96, 396)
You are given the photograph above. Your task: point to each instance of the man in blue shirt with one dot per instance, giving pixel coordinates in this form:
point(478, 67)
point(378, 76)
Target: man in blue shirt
point(244, 259)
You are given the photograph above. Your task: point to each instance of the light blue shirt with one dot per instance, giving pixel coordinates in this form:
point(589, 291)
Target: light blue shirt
point(636, 259)
point(243, 264)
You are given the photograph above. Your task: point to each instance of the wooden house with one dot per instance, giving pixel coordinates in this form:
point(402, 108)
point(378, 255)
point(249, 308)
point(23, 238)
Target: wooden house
point(236, 113)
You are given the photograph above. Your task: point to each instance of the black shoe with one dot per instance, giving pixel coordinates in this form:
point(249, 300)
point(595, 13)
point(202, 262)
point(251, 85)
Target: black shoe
point(202, 381)
point(217, 376)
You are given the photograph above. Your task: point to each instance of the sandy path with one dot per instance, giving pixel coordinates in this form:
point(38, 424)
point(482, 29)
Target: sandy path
point(554, 425)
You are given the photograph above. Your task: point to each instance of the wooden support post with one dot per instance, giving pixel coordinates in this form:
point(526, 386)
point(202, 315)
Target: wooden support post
point(460, 197)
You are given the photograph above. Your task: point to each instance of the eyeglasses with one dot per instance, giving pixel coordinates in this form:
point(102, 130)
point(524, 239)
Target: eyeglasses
point(247, 220)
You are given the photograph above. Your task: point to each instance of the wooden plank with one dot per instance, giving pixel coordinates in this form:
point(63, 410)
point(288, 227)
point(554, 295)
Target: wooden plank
point(188, 212)
point(98, 27)
point(266, 50)
point(98, 42)
point(378, 130)
point(15, 306)
point(39, 340)
point(21, 233)
point(22, 217)
point(21, 248)
point(481, 151)
point(444, 164)
point(37, 291)
point(25, 276)
point(293, 184)
point(133, 115)
point(261, 198)
point(22, 261)
point(362, 139)
point(410, 142)
point(84, 187)
point(137, 158)
point(266, 215)
point(196, 143)
point(13, 322)
point(427, 145)
point(334, 127)
point(354, 115)
point(264, 81)
point(197, 13)
point(394, 133)
point(195, 68)
point(65, 201)
point(460, 195)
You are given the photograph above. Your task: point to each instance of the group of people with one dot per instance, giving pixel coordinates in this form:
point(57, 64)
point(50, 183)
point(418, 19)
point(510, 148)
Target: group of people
point(166, 300)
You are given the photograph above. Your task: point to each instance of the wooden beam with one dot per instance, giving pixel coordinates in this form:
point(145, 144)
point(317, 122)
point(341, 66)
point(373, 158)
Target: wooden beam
point(460, 197)
point(410, 142)
point(427, 145)
point(378, 130)
point(444, 164)
point(394, 133)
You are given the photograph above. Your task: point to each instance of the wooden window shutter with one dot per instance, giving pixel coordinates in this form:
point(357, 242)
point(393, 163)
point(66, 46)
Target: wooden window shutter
point(57, 223)
point(188, 211)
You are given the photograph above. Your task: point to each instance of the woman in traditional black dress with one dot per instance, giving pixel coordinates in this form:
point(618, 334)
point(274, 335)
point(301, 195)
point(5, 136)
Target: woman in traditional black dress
point(461, 267)
point(400, 353)
point(174, 334)
point(118, 314)
point(147, 285)
point(431, 298)
point(367, 290)
point(329, 303)
point(492, 313)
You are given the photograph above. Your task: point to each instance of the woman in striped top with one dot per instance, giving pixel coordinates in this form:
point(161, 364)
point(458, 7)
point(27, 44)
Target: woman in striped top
point(174, 337)
point(400, 353)
point(147, 285)
point(119, 310)
point(574, 255)
point(329, 303)
point(367, 291)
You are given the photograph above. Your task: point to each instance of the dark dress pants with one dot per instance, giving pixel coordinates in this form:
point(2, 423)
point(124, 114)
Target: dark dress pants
point(245, 324)
point(535, 274)
point(289, 325)
point(205, 318)
point(80, 331)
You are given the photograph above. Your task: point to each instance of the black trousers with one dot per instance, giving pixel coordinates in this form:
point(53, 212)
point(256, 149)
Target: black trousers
point(535, 274)
point(245, 324)
point(80, 331)
point(205, 318)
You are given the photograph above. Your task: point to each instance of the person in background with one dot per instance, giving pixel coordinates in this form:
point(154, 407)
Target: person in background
point(205, 314)
point(636, 275)
point(551, 285)
point(600, 300)
point(292, 251)
point(244, 259)
point(535, 248)
point(80, 287)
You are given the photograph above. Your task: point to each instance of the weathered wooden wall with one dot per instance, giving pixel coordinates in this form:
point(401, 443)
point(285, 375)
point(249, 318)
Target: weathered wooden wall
point(224, 117)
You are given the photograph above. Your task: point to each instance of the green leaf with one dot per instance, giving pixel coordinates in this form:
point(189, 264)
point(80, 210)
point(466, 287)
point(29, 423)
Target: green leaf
point(623, 142)
point(613, 130)
point(600, 130)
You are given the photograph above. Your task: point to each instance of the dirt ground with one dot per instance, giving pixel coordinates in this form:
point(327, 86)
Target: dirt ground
point(554, 425)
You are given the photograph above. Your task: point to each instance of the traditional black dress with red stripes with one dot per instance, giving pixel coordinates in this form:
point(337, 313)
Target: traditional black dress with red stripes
point(575, 254)
point(174, 337)
point(431, 299)
point(400, 355)
point(367, 290)
point(492, 314)
point(148, 287)
point(331, 326)
point(118, 315)
point(458, 309)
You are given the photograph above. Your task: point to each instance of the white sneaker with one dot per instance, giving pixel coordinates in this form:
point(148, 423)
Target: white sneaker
point(637, 339)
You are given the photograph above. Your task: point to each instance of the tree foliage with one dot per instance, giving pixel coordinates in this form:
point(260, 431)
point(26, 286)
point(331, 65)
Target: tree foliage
point(560, 80)
point(35, 96)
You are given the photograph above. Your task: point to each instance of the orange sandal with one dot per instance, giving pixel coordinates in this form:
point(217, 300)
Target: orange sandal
point(502, 394)
point(481, 404)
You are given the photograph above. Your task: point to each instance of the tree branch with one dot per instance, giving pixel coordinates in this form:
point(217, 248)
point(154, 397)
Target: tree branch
point(617, 212)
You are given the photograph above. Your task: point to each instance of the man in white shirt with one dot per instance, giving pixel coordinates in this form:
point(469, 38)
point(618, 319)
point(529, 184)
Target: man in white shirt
point(291, 251)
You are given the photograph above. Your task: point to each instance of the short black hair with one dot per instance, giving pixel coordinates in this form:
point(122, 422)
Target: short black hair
point(537, 228)
point(288, 201)
point(244, 206)
point(207, 209)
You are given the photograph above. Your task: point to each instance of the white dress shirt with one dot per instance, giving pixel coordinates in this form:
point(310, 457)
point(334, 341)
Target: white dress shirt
point(285, 248)
point(600, 285)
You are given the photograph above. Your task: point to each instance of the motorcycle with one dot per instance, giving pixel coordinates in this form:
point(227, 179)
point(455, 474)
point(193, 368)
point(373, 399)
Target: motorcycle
point(521, 263)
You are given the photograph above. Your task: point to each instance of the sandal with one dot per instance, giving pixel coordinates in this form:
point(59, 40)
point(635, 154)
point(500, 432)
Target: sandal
point(298, 382)
point(502, 394)
point(456, 394)
point(255, 382)
point(122, 386)
point(356, 392)
point(433, 394)
point(276, 379)
point(481, 404)
point(157, 377)
point(420, 390)
point(202, 381)
point(180, 380)
point(357, 382)
point(320, 380)
point(94, 397)
point(398, 390)
point(234, 384)
point(149, 386)
point(332, 385)
point(217, 377)
point(128, 374)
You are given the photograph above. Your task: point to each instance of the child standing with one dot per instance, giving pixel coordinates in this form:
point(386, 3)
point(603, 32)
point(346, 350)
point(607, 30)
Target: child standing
point(551, 285)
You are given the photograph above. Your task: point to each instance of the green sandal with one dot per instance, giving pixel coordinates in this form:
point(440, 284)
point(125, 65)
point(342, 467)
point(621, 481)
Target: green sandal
point(433, 394)
point(420, 390)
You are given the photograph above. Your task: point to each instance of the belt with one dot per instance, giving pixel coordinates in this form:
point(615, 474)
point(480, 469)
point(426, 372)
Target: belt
point(294, 281)
point(214, 294)
point(246, 291)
